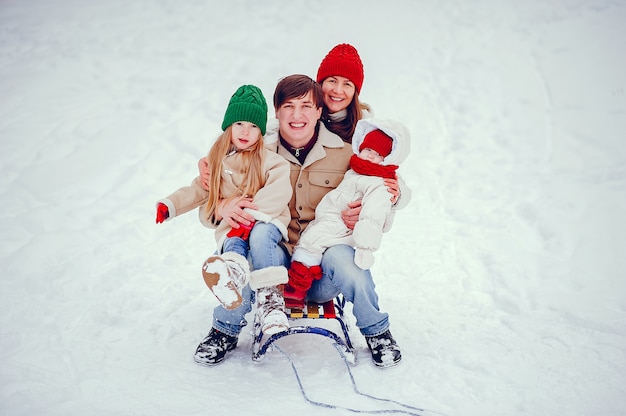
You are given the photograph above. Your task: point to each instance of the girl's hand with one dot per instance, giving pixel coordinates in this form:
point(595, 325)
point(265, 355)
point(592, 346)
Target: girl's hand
point(231, 210)
point(394, 188)
point(205, 173)
point(350, 215)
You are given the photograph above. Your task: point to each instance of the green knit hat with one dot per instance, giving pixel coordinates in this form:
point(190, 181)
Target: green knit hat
point(247, 104)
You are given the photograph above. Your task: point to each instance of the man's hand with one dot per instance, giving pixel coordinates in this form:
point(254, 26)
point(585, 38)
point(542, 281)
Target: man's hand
point(205, 173)
point(393, 187)
point(231, 211)
point(350, 215)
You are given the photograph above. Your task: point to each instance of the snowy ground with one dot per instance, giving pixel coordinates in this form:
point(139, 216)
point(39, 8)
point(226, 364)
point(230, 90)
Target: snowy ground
point(504, 278)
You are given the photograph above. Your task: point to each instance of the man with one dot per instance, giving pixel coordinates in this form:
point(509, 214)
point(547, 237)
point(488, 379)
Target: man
point(318, 159)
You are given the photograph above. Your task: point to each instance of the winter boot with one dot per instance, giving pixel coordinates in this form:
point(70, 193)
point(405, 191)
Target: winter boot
point(270, 306)
point(226, 276)
point(385, 351)
point(213, 348)
point(300, 280)
point(270, 303)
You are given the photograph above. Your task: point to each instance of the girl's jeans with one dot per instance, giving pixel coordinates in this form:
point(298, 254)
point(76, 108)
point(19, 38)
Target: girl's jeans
point(264, 251)
point(235, 245)
point(340, 275)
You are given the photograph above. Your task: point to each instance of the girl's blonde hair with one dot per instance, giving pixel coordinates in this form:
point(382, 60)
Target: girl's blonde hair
point(252, 169)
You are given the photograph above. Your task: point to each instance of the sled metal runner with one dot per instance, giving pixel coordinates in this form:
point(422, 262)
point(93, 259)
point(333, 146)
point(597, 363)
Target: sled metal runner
point(332, 310)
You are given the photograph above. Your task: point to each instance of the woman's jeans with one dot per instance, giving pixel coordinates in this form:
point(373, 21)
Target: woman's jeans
point(340, 275)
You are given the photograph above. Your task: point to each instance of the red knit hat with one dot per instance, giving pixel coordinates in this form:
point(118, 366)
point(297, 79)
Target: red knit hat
point(379, 141)
point(343, 60)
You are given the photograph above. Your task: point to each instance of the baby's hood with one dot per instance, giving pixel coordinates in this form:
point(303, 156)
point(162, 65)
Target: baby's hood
point(394, 129)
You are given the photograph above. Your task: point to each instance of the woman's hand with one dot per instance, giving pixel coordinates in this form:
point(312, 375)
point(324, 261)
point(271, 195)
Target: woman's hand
point(231, 210)
point(393, 187)
point(205, 173)
point(350, 215)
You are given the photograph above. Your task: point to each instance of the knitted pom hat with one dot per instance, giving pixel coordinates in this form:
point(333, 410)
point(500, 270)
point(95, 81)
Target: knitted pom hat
point(247, 104)
point(379, 141)
point(343, 60)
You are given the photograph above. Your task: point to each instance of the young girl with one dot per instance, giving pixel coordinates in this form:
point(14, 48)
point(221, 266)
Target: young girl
point(240, 168)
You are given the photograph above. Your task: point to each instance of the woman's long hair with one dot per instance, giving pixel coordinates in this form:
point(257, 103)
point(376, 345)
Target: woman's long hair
point(345, 128)
point(252, 169)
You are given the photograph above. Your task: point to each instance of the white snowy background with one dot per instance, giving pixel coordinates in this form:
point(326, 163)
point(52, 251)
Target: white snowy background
point(504, 278)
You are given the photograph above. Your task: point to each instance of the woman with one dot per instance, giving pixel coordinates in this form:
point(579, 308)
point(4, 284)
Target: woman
point(341, 76)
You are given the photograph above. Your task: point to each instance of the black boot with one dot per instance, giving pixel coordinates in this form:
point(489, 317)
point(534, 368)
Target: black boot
point(385, 351)
point(214, 347)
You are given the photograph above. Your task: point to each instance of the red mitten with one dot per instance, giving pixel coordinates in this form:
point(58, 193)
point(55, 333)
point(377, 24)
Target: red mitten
point(300, 280)
point(242, 232)
point(162, 213)
point(316, 272)
point(301, 276)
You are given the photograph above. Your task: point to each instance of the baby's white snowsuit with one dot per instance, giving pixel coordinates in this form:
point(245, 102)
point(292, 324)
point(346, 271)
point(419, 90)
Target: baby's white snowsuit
point(376, 217)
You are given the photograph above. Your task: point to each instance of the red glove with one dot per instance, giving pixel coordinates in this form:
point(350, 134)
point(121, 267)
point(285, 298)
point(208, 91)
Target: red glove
point(162, 213)
point(242, 232)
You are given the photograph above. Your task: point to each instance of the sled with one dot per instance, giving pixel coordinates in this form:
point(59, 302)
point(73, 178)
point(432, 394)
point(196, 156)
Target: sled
point(332, 310)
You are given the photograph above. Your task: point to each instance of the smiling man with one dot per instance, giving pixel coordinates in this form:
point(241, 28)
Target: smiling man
point(319, 159)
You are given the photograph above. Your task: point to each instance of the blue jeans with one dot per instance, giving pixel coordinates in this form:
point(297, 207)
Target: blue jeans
point(264, 251)
point(340, 275)
point(235, 245)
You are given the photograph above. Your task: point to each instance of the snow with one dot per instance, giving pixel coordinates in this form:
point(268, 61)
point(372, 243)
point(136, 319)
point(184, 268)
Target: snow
point(504, 278)
point(223, 289)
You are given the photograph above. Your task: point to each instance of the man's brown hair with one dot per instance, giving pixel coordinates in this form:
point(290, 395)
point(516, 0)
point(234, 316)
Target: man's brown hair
point(297, 86)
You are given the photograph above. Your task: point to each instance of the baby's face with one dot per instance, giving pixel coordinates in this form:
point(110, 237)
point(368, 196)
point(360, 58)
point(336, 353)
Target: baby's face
point(371, 155)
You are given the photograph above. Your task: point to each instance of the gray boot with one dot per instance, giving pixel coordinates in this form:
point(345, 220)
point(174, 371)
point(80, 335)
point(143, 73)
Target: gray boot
point(270, 302)
point(270, 305)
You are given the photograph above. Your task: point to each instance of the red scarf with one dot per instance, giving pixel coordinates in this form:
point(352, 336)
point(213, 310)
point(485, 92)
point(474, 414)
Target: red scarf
point(365, 167)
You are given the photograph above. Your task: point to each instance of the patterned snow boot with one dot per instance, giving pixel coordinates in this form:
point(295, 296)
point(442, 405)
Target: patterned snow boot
point(270, 303)
point(385, 351)
point(213, 348)
point(226, 275)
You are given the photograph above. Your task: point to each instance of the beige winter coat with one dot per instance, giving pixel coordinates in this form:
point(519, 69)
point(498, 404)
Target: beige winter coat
point(271, 200)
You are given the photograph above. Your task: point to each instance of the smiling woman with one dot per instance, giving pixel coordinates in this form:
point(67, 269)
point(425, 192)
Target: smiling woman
point(341, 75)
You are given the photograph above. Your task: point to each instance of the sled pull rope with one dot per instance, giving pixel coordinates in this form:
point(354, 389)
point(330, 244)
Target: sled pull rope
point(356, 390)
